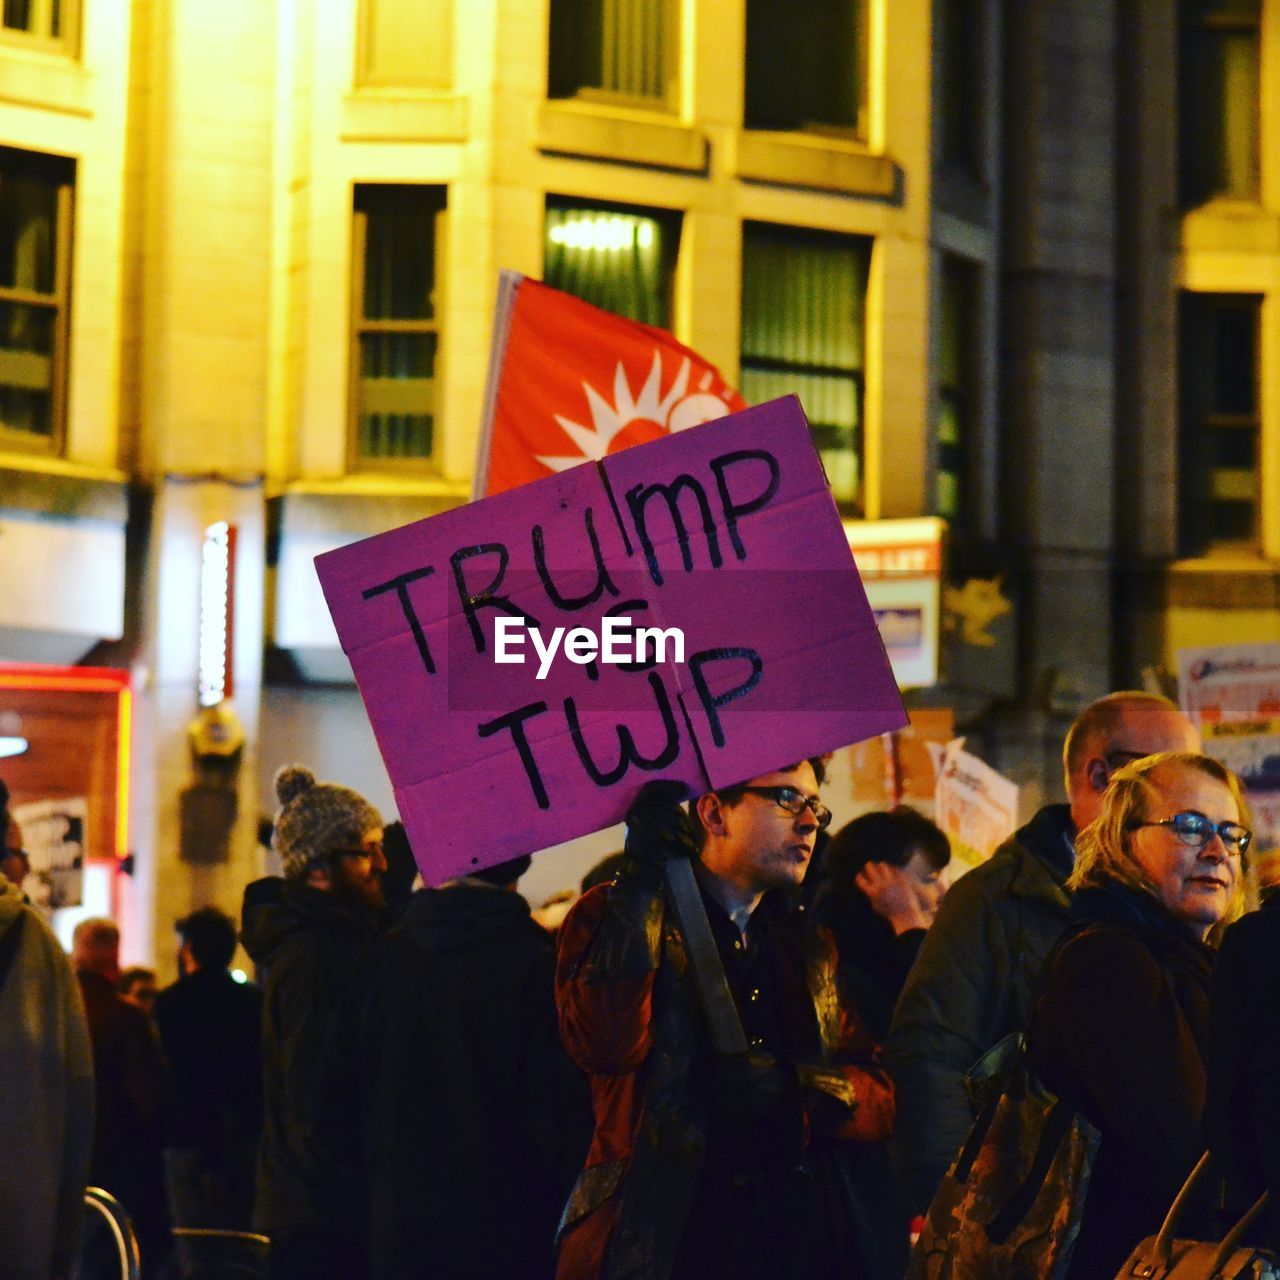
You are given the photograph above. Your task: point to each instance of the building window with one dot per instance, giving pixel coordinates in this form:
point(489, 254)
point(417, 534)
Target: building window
point(35, 297)
point(47, 24)
point(622, 259)
point(806, 69)
point(956, 375)
point(962, 89)
point(396, 328)
point(1219, 482)
point(1219, 99)
point(613, 50)
point(803, 325)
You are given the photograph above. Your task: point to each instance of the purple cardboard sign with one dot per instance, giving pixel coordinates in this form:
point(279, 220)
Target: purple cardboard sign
point(726, 533)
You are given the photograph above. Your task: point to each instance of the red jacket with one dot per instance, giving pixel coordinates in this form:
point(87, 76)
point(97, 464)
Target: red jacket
point(629, 1018)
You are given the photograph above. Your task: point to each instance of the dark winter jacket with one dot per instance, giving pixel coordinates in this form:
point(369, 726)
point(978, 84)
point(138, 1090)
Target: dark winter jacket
point(1242, 1114)
point(211, 1028)
point(1121, 1029)
point(478, 1121)
point(46, 1116)
point(973, 982)
point(630, 1018)
point(874, 963)
point(317, 952)
point(129, 1096)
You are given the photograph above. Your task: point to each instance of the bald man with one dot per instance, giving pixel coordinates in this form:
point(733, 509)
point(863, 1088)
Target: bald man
point(979, 967)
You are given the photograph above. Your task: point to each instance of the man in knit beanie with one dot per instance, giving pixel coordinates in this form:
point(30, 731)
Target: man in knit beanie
point(328, 835)
point(315, 936)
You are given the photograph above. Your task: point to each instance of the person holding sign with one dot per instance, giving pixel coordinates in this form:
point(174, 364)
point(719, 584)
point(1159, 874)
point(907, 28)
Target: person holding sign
point(706, 1162)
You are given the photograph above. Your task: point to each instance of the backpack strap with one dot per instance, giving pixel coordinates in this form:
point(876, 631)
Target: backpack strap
point(992, 1073)
point(1056, 1125)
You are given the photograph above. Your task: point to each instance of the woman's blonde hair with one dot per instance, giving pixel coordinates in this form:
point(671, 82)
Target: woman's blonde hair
point(1102, 848)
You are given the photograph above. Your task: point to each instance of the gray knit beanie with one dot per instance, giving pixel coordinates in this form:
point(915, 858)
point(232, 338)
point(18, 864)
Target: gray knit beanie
point(316, 818)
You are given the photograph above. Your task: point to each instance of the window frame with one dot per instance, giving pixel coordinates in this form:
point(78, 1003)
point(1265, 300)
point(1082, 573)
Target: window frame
point(963, 99)
point(964, 392)
point(667, 102)
point(359, 325)
point(671, 222)
point(67, 44)
point(1189, 24)
point(856, 505)
point(859, 131)
point(59, 301)
point(1196, 415)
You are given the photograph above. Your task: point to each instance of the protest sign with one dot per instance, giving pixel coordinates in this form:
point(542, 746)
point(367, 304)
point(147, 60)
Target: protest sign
point(53, 835)
point(725, 533)
point(569, 383)
point(976, 806)
point(898, 768)
point(1231, 693)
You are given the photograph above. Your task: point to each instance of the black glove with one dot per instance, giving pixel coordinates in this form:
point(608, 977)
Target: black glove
point(658, 828)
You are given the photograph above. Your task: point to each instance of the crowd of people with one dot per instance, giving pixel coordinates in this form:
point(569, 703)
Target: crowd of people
point(746, 1049)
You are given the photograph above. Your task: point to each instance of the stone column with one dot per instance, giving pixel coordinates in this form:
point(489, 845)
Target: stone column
point(1057, 358)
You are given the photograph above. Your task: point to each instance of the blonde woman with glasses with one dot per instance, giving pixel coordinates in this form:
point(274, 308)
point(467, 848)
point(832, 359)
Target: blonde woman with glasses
point(1121, 1026)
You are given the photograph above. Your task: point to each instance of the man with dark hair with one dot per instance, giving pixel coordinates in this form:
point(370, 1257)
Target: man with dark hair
point(714, 1149)
point(979, 966)
point(477, 1120)
point(211, 1027)
point(315, 934)
point(137, 985)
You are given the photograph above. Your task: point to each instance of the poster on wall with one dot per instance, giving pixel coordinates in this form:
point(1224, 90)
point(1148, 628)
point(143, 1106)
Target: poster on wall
point(901, 565)
point(898, 768)
point(1232, 695)
point(976, 806)
point(53, 834)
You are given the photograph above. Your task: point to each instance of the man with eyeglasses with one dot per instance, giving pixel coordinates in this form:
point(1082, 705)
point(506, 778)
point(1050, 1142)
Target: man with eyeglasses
point(977, 973)
point(315, 934)
point(707, 1162)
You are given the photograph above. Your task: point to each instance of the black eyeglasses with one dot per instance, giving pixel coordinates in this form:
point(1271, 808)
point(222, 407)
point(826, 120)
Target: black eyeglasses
point(795, 802)
point(1195, 831)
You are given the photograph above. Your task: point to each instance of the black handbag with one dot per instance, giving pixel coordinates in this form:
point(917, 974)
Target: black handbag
point(1164, 1257)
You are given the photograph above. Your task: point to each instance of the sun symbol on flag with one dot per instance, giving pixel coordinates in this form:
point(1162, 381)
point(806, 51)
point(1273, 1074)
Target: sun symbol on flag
point(633, 419)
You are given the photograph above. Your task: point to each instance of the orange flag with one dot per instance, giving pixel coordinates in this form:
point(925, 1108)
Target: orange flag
point(570, 383)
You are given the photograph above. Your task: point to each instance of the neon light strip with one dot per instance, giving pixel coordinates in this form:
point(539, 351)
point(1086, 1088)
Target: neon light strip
point(104, 681)
point(215, 613)
point(81, 684)
point(124, 746)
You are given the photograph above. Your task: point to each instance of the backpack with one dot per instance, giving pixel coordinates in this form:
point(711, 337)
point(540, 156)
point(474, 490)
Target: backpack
point(1010, 1206)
